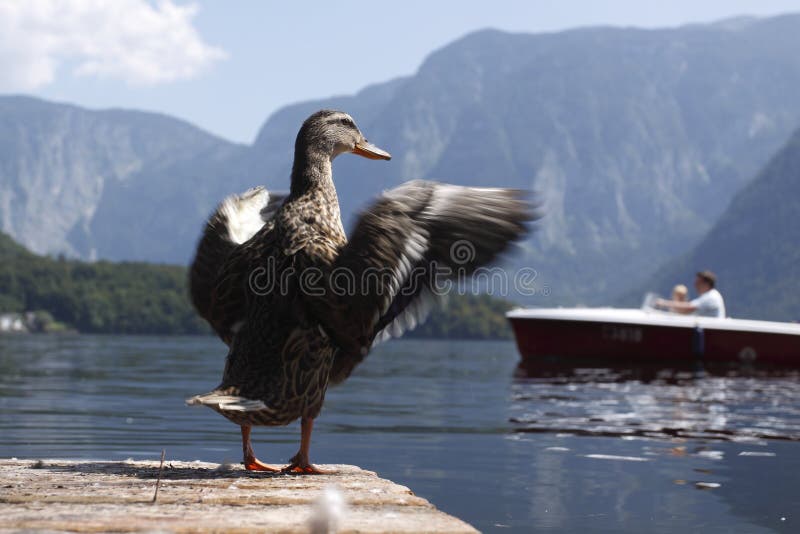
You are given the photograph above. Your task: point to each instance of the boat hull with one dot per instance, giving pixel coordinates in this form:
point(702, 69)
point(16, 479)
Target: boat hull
point(539, 337)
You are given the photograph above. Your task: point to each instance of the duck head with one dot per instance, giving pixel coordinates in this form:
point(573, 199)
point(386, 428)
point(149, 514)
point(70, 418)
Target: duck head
point(328, 133)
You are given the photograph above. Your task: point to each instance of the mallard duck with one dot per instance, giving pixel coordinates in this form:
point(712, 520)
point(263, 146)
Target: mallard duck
point(300, 306)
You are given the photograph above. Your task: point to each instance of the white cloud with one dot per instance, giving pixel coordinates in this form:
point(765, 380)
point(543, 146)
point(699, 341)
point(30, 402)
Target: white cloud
point(130, 40)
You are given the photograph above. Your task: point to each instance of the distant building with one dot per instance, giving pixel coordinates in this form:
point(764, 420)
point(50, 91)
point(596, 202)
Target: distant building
point(12, 323)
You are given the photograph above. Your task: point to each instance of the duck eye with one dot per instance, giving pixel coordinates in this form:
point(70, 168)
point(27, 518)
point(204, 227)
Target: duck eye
point(346, 122)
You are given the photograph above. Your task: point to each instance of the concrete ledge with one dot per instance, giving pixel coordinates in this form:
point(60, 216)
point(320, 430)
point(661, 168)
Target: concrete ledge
point(92, 496)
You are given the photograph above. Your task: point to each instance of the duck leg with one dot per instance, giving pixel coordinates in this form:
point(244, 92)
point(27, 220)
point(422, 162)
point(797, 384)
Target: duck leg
point(299, 462)
point(251, 463)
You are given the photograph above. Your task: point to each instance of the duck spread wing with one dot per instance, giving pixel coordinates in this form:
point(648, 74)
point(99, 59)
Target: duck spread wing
point(404, 246)
point(218, 272)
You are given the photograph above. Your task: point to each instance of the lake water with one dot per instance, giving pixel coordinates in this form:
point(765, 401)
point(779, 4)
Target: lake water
point(560, 449)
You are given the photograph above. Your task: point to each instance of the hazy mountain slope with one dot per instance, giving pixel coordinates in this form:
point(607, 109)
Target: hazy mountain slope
point(110, 184)
point(755, 246)
point(638, 139)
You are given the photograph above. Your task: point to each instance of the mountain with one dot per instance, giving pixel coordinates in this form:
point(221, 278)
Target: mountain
point(109, 184)
point(754, 247)
point(635, 139)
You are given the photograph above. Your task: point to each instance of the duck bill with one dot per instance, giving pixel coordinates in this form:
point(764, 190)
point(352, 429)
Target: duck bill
point(368, 150)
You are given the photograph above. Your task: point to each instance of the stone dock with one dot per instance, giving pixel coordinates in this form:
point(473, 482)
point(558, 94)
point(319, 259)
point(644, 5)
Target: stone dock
point(97, 496)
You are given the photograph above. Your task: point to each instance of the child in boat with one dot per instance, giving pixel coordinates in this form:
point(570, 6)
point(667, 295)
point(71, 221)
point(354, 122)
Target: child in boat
point(680, 293)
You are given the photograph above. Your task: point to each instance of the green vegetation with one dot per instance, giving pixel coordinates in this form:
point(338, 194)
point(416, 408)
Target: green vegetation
point(142, 298)
point(102, 297)
point(468, 317)
point(42, 321)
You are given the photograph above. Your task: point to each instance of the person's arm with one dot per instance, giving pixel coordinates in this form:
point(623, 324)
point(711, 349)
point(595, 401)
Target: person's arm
point(676, 306)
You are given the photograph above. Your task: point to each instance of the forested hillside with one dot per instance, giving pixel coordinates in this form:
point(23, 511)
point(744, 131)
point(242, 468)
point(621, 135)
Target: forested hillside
point(141, 298)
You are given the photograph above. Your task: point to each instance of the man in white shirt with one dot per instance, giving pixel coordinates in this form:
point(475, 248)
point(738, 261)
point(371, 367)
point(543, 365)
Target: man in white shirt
point(709, 302)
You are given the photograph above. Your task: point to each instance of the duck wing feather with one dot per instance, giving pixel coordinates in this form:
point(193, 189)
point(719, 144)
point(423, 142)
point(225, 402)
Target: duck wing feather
point(219, 271)
point(410, 240)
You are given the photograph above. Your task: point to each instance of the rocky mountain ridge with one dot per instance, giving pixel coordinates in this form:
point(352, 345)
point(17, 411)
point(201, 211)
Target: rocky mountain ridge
point(636, 139)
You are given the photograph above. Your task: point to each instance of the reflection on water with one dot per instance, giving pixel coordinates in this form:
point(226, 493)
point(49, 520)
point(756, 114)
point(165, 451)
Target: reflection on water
point(726, 403)
point(506, 449)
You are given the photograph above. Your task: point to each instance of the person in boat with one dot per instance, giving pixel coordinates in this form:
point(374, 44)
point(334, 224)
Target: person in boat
point(709, 302)
point(680, 293)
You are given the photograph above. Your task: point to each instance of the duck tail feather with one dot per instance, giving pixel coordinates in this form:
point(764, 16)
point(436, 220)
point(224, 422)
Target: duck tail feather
point(226, 403)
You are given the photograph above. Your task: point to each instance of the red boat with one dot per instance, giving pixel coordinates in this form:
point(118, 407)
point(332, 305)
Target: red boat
point(650, 336)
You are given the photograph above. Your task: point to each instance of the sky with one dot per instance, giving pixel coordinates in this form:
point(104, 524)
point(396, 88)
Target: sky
point(226, 65)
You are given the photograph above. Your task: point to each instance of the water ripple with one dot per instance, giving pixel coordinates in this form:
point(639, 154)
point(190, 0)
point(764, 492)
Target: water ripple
point(668, 403)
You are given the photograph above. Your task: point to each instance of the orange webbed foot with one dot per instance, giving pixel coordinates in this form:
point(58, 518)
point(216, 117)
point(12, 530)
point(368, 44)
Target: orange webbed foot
point(254, 464)
point(301, 466)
